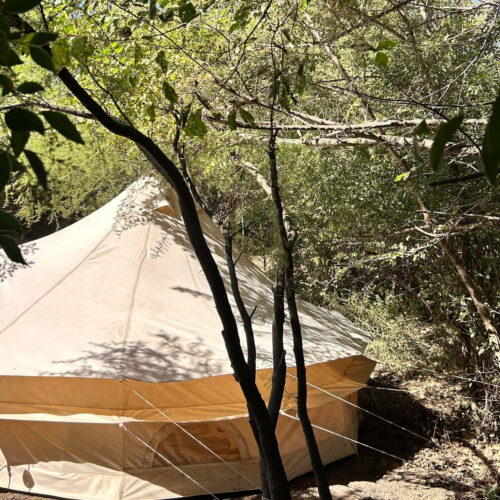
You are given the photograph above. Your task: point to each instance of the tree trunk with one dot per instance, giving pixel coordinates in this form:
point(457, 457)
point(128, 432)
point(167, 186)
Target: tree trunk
point(279, 488)
point(474, 290)
point(287, 239)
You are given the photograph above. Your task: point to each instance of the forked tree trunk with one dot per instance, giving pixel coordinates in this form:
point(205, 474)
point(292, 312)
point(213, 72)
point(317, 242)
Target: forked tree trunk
point(287, 239)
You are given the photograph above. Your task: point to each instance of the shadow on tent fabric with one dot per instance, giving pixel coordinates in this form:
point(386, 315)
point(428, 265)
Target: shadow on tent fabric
point(164, 356)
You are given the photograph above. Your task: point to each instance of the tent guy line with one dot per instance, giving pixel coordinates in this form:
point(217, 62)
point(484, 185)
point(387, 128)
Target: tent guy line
point(162, 413)
point(329, 431)
point(363, 409)
point(167, 461)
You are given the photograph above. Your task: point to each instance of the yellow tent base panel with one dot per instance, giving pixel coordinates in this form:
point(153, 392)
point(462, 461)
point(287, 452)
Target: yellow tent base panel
point(104, 462)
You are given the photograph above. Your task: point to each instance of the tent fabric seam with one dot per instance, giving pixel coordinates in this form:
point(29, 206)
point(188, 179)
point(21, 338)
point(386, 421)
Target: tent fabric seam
point(144, 253)
point(355, 385)
point(53, 287)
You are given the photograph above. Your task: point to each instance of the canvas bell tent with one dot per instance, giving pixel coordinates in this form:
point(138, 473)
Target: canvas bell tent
point(114, 379)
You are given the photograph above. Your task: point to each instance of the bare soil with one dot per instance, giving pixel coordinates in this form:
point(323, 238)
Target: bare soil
point(447, 464)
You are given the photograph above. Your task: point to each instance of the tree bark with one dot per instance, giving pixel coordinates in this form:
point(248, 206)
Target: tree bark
point(287, 238)
point(473, 289)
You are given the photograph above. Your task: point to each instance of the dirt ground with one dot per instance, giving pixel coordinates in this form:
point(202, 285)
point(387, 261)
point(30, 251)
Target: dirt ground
point(448, 464)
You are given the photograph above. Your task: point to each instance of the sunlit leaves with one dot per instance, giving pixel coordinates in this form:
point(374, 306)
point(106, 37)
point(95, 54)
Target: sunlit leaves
point(63, 125)
point(194, 126)
point(444, 133)
point(241, 18)
point(167, 15)
point(60, 53)
point(490, 153)
point(80, 48)
point(38, 167)
point(402, 177)
point(23, 120)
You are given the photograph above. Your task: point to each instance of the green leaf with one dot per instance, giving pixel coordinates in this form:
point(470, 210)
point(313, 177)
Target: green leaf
point(170, 93)
point(231, 120)
point(61, 53)
point(8, 164)
point(422, 129)
point(386, 45)
point(63, 125)
point(18, 141)
point(152, 9)
point(42, 58)
point(162, 60)
point(8, 57)
point(7, 84)
point(41, 38)
point(80, 48)
point(17, 6)
point(382, 59)
point(138, 53)
point(402, 177)
point(187, 12)
point(151, 112)
point(490, 153)
point(23, 120)
point(12, 250)
point(443, 135)
point(37, 166)
point(29, 87)
point(5, 169)
point(247, 117)
point(9, 223)
point(194, 126)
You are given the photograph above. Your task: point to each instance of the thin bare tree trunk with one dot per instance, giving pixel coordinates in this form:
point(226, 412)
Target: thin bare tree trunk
point(288, 237)
point(474, 290)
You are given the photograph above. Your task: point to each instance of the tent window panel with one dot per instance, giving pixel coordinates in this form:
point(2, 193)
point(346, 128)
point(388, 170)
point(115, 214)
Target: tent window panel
point(182, 449)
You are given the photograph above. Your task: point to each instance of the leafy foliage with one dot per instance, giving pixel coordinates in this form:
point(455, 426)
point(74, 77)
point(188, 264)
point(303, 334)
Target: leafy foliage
point(490, 155)
point(443, 135)
point(18, 119)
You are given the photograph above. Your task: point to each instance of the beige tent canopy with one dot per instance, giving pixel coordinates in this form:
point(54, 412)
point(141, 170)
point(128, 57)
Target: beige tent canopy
point(114, 380)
